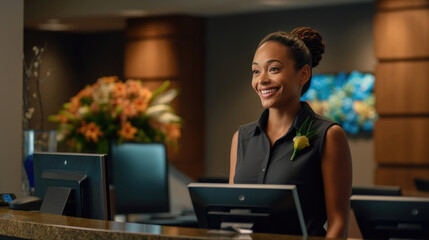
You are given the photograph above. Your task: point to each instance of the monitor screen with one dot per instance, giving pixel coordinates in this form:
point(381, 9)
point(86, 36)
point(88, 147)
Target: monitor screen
point(258, 207)
point(386, 217)
point(72, 184)
point(140, 178)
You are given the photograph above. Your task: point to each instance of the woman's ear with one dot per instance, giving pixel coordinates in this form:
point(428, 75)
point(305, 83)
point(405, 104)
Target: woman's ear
point(304, 74)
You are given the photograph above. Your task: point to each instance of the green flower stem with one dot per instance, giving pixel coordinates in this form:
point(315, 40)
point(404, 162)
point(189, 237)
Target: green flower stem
point(293, 155)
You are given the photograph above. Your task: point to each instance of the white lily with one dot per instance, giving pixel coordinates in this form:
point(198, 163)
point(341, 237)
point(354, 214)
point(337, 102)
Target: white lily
point(156, 110)
point(167, 117)
point(166, 97)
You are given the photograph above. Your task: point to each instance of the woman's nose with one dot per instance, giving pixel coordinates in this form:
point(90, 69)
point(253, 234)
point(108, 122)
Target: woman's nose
point(263, 78)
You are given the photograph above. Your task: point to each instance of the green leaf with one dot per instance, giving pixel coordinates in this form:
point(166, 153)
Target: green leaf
point(159, 90)
point(53, 118)
point(309, 126)
point(312, 134)
point(303, 126)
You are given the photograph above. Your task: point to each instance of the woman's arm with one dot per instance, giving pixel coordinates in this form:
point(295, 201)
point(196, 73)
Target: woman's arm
point(233, 157)
point(337, 181)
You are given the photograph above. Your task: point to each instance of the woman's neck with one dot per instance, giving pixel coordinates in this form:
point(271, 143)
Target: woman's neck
point(280, 120)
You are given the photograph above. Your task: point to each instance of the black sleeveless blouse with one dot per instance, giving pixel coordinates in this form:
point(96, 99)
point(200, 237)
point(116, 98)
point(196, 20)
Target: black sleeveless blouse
point(258, 162)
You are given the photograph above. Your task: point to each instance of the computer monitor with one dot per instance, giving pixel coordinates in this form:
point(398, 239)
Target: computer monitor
point(72, 184)
point(388, 217)
point(377, 190)
point(259, 207)
point(422, 184)
point(140, 178)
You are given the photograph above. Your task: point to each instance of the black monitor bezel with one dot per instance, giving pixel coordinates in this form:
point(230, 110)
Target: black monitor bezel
point(384, 217)
point(233, 196)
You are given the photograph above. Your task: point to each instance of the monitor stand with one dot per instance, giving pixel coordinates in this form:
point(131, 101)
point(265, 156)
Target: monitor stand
point(242, 228)
point(55, 200)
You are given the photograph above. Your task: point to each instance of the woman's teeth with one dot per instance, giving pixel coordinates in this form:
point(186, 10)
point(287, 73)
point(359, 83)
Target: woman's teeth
point(268, 91)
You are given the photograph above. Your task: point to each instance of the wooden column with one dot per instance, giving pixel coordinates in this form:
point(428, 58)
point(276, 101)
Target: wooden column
point(401, 32)
point(171, 48)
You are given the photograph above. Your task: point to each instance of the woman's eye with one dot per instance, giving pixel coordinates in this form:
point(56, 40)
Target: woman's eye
point(273, 69)
point(255, 71)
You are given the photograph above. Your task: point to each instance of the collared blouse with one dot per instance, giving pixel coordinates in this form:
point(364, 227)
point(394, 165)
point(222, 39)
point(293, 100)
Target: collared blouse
point(259, 162)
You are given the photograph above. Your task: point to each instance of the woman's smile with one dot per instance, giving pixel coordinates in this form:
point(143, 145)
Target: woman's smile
point(268, 92)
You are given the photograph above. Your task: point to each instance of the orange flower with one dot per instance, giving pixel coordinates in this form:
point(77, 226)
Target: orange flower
point(172, 131)
point(62, 119)
point(127, 131)
point(94, 107)
point(86, 92)
point(129, 109)
point(133, 87)
point(75, 104)
point(140, 104)
point(145, 93)
point(119, 90)
point(91, 131)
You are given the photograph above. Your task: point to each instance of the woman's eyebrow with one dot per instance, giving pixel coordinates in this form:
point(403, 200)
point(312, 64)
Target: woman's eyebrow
point(269, 62)
point(274, 60)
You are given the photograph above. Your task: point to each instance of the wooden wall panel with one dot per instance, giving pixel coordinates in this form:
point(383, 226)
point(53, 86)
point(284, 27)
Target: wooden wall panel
point(401, 136)
point(403, 177)
point(402, 87)
point(172, 48)
point(402, 141)
point(151, 58)
point(402, 34)
point(400, 4)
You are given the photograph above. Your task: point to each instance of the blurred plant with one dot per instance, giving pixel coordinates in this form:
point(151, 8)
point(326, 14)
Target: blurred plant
point(347, 99)
point(112, 111)
point(33, 78)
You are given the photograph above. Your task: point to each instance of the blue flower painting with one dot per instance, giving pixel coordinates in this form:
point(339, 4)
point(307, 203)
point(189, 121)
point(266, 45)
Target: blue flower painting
point(347, 99)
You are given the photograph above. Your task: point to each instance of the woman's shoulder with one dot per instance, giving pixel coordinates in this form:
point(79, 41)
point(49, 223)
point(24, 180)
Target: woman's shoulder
point(323, 121)
point(319, 120)
point(247, 130)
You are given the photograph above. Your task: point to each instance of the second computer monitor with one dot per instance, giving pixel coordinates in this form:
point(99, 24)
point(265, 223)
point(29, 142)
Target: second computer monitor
point(392, 217)
point(140, 178)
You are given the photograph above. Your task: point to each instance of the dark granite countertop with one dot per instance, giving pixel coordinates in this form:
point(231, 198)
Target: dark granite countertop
point(34, 225)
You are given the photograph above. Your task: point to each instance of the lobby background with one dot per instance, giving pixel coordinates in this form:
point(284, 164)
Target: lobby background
point(78, 59)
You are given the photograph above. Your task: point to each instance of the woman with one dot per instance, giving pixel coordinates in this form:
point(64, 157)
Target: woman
point(263, 152)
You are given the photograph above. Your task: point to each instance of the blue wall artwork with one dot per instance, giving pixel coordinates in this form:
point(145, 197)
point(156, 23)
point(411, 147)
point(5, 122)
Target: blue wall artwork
point(347, 99)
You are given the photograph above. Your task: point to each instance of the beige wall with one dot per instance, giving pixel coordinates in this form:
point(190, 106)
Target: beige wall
point(11, 42)
point(231, 41)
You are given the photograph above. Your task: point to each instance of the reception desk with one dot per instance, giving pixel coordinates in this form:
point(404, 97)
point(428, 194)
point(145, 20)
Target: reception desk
point(34, 225)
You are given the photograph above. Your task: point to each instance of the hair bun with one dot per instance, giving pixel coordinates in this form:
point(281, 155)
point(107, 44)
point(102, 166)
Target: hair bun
point(313, 41)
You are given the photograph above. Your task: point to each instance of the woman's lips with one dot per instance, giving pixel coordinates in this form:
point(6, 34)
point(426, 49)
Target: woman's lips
point(268, 92)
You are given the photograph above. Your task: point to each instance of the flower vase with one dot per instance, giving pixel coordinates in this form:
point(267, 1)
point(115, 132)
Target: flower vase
point(35, 141)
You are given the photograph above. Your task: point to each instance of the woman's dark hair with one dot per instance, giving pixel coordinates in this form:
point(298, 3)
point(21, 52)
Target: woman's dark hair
point(306, 47)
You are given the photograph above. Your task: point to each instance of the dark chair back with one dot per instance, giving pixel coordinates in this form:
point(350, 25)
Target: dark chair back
point(377, 190)
point(422, 184)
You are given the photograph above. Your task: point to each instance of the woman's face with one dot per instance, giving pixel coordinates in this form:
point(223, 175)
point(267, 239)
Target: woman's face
point(275, 78)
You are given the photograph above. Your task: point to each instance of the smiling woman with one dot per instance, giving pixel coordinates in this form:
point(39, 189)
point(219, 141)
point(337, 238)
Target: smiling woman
point(291, 144)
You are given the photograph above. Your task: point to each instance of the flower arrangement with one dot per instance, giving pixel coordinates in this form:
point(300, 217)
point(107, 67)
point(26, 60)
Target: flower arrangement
point(113, 111)
point(347, 99)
